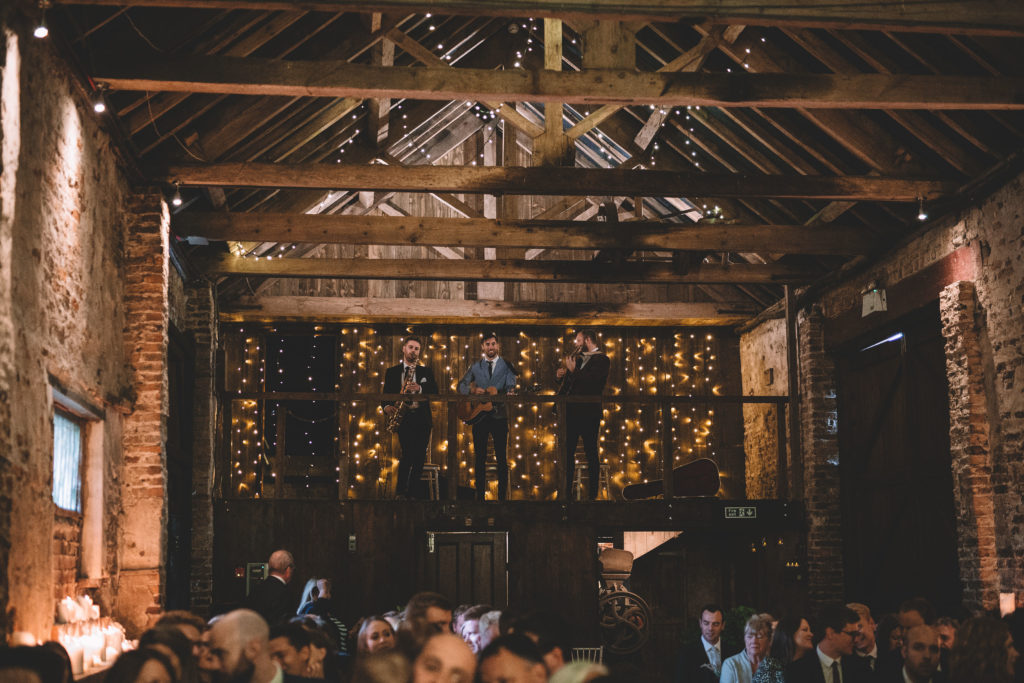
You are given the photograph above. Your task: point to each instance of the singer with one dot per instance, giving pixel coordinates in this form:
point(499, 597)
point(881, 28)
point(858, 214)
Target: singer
point(584, 373)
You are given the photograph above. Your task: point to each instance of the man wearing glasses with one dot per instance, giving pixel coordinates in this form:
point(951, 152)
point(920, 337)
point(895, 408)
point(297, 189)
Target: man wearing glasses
point(833, 660)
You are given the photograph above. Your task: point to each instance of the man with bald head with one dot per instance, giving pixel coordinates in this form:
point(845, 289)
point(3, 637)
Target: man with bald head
point(271, 598)
point(920, 656)
point(238, 651)
point(445, 658)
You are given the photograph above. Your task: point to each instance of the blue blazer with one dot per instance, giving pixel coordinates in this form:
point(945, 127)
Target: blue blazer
point(503, 379)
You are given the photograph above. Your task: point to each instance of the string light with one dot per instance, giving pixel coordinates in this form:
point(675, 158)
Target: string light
point(343, 451)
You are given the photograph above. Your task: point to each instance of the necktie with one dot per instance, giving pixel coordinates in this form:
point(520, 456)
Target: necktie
point(871, 662)
point(490, 368)
point(835, 673)
point(715, 657)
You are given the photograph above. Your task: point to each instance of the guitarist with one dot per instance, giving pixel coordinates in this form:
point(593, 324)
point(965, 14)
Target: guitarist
point(497, 374)
point(584, 373)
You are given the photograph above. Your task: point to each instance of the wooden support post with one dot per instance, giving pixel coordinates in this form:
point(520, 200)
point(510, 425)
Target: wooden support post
point(451, 453)
point(792, 358)
point(782, 476)
point(279, 453)
point(562, 452)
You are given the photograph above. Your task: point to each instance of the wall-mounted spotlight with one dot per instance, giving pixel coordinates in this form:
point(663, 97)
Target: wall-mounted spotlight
point(921, 215)
point(99, 102)
point(41, 30)
point(176, 198)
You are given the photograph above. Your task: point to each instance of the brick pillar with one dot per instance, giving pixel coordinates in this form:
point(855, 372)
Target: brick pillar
point(969, 447)
point(140, 589)
point(818, 419)
point(201, 323)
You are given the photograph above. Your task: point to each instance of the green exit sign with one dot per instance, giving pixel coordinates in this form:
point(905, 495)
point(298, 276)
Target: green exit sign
point(739, 512)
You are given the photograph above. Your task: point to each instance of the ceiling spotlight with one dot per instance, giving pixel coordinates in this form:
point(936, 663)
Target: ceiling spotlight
point(921, 215)
point(41, 31)
point(176, 199)
point(99, 105)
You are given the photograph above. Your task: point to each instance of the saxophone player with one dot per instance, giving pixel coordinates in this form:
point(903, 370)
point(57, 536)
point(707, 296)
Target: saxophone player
point(409, 377)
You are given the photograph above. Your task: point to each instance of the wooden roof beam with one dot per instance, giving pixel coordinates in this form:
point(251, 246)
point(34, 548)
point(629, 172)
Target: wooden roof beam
point(266, 77)
point(986, 17)
point(554, 181)
point(505, 270)
point(553, 234)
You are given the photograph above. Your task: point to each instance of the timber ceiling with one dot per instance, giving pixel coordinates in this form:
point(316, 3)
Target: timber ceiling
point(652, 160)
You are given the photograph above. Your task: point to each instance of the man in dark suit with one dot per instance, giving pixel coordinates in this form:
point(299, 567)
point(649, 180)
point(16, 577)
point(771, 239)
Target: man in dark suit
point(238, 651)
point(271, 598)
point(920, 657)
point(585, 373)
point(701, 661)
point(865, 646)
point(408, 377)
point(833, 660)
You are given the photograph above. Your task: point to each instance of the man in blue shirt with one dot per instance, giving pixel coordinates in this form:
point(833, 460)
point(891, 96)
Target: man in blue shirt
point(491, 371)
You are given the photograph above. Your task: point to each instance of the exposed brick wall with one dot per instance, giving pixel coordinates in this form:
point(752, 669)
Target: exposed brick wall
point(820, 444)
point(201, 323)
point(140, 593)
point(762, 350)
point(969, 428)
point(67, 554)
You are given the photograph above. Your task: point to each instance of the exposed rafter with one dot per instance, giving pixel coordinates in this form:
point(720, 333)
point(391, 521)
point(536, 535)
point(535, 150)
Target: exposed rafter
point(266, 77)
point(554, 181)
point(993, 17)
point(553, 234)
point(503, 270)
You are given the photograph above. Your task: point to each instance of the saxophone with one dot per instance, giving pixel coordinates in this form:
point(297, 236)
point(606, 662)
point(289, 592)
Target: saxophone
point(395, 420)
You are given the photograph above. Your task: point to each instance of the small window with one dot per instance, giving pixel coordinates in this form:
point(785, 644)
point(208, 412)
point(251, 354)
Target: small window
point(67, 462)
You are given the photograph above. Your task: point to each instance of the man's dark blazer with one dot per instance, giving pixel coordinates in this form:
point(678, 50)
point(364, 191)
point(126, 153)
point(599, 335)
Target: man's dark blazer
point(424, 377)
point(896, 676)
point(689, 664)
point(807, 669)
point(272, 600)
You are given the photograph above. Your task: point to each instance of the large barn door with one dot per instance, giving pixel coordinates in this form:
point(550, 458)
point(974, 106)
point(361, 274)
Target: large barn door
point(899, 534)
point(468, 568)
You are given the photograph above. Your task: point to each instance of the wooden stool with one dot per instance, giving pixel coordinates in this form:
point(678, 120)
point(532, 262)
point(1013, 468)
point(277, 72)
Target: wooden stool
point(580, 479)
point(432, 475)
point(491, 474)
point(604, 481)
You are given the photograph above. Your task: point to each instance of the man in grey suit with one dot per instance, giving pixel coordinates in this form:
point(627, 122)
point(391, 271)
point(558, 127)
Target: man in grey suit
point(490, 371)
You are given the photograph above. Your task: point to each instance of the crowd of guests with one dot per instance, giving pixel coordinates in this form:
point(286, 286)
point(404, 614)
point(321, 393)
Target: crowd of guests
point(844, 644)
point(273, 640)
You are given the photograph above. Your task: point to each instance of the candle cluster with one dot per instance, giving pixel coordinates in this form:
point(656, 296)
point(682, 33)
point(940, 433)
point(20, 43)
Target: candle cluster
point(338, 448)
point(91, 641)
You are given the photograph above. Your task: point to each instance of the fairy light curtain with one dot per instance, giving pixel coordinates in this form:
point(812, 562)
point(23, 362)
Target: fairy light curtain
point(288, 443)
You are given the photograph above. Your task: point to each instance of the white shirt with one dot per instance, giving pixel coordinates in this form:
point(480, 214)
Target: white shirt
point(826, 666)
point(709, 646)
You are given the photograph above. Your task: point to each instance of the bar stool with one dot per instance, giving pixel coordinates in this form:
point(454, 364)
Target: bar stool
point(432, 475)
point(491, 474)
point(581, 478)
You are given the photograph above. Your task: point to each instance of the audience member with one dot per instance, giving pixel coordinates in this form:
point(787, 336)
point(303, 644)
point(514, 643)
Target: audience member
point(550, 633)
point(834, 661)
point(271, 598)
point(445, 658)
point(791, 640)
point(701, 662)
point(983, 651)
point(426, 614)
point(920, 657)
point(914, 612)
point(888, 635)
point(239, 647)
point(757, 633)
point(375, 635)
point(290, 648)
point(511, 659)
point(191, 626)
point(176, 647)
point(490, 627)
point(470, 631)
point(319, 604)
point(145, 665)
point(865, 645)
point(34, 664)
point(387, 666)
point(946, 627)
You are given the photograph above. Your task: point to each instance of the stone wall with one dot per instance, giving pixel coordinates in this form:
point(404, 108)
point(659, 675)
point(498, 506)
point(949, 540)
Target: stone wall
point(764, 371)
point(983, 324)
point(63, 266)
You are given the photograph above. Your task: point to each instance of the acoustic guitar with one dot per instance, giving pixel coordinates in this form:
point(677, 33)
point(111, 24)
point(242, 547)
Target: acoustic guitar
point(471, 412)
point(699, 478)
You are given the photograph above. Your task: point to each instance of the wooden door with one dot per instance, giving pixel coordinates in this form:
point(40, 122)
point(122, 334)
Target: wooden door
point(468, 568)
point(899, 533)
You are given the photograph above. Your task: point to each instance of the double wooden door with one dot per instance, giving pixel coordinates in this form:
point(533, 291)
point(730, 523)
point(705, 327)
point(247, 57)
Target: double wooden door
point(467, 567)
